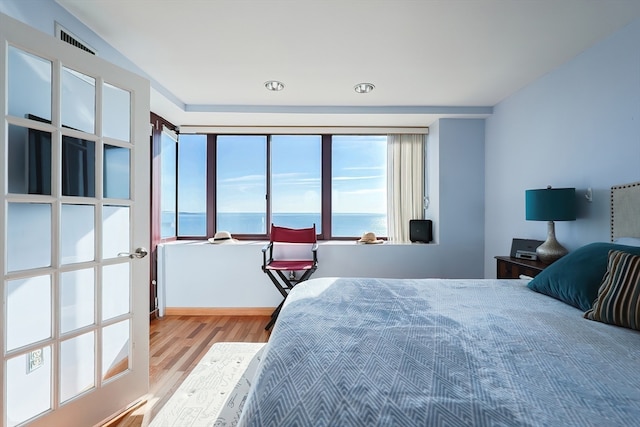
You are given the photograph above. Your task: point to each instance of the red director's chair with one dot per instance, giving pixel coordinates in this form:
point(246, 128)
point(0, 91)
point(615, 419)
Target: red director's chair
point(289, 250)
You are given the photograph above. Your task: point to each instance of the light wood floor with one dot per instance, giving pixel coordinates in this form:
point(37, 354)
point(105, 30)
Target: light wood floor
point(176, 344)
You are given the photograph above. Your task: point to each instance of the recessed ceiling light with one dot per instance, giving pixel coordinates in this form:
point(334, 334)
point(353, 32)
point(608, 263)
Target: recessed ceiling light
point(363, 87)
point(274, 85)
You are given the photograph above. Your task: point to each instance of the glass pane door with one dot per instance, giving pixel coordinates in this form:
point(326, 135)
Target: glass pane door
point(75, 305)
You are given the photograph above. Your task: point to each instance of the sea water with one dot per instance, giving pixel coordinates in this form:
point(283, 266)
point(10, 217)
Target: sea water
point(342, 224)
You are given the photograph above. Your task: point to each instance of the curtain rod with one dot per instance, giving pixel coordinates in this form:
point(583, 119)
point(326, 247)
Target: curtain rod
point(342, 130)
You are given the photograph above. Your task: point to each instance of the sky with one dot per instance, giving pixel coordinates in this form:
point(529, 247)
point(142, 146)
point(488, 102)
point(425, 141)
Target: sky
point(358, 173)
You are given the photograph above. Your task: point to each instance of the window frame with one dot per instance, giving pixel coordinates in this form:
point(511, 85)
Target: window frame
point(160, 181)
point(212, 169)
point(211, 203)
point(156, 124)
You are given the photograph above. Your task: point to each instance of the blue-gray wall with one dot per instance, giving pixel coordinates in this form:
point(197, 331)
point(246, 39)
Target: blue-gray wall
point(578, 126)
point(456, 177)
point(43, 14)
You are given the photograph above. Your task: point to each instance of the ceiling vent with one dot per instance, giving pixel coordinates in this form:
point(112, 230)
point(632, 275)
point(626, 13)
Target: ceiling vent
point(68, 37)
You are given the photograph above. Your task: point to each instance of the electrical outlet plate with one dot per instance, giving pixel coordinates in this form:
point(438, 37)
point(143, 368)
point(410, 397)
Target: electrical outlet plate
point(35, 360)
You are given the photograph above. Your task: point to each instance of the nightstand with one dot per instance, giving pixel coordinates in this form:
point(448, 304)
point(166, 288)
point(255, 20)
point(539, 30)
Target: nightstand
point(512, 268)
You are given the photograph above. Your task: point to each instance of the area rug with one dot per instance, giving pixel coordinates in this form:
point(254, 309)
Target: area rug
point(214, 392)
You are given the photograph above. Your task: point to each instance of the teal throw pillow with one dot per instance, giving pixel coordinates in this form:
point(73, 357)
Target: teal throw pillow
point(576, 277)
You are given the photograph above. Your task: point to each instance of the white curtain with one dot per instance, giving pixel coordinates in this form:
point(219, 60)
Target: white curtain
point(405, 183)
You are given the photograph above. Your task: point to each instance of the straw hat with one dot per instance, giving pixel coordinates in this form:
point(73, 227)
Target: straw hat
point(369, 238)
point(222, 237)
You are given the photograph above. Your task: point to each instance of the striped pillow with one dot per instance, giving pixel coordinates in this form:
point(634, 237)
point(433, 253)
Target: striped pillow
point(618, 301)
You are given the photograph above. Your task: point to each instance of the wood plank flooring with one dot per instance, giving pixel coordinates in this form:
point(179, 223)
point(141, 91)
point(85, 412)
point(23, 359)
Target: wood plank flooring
point(176, 345)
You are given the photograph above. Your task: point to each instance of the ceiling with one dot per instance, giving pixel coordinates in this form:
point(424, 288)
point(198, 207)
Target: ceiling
point(208, 59)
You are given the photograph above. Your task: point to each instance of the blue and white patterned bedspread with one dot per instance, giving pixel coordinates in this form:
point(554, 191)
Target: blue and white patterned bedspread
point(428, 352)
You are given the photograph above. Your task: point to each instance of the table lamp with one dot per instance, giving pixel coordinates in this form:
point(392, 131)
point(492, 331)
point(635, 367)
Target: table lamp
point(551, 204)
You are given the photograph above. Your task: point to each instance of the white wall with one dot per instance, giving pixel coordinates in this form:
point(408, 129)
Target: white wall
point(205, 275)
point(578, 126)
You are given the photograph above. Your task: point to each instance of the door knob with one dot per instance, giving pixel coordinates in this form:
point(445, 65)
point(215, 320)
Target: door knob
point(140, 252)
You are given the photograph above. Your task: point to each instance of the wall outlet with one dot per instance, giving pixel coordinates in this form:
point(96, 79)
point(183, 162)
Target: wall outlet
point(589, 195)
point(35, 360)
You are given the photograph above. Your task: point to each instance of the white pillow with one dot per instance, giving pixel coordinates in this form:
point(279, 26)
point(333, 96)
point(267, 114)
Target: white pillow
point(629, 241)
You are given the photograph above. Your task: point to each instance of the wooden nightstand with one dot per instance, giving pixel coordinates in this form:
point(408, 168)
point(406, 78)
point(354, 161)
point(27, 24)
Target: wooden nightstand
point(512, 268)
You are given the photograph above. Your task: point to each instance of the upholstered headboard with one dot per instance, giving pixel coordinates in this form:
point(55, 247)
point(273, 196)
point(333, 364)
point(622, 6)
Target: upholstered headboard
point(625, 211)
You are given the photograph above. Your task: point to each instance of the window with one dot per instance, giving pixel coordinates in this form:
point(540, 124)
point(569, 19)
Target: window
point(296, 191)
point(168, 184)
point(337, 182)
point(192, 185)
point(241, 184)
point(358, 185)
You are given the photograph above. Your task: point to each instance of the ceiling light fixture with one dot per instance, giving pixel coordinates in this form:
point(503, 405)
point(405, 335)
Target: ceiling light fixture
point(274, 85)
point(363, 87)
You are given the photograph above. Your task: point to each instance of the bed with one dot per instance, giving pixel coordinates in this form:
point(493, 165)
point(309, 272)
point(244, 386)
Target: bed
point(562, 349)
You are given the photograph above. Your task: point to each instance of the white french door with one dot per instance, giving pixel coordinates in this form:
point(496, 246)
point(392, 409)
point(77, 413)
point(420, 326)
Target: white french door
point(74, 135)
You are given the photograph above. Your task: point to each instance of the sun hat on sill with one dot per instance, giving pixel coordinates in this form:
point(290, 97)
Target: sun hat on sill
point(369, 238)
point(222, 237)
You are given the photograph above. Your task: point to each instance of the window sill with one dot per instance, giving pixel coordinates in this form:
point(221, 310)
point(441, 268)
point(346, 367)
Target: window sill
point(320, 243)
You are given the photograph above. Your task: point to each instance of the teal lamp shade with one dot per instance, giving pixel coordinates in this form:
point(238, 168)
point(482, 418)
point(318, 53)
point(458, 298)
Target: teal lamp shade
point(551, 204)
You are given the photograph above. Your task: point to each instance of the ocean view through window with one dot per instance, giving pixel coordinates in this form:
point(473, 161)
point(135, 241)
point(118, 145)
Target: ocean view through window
point(168, 184)
point(296, 191)
point(192, 185)
point(332, 181)
point(241, 182)
point(358, 185)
